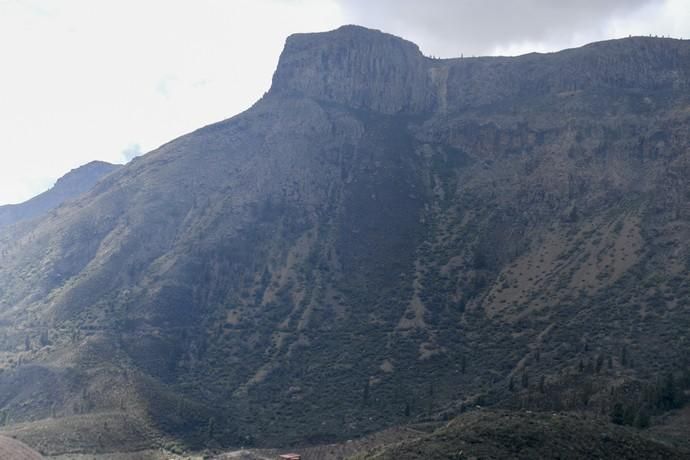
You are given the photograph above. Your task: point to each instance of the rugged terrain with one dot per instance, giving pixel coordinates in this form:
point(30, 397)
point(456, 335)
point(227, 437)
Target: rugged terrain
point(497, 435)
point(383, 237)
point(71, 185)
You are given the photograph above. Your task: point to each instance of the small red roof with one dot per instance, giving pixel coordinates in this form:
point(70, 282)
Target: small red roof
point(291, 457)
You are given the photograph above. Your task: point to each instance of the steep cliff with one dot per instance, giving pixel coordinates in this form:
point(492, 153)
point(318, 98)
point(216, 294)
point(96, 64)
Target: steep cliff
point(367, 69)
point(357, 67)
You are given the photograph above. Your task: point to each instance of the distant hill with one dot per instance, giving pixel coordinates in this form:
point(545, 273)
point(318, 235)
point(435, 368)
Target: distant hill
point(382, 238)
point(71, 185)
point(525, 435)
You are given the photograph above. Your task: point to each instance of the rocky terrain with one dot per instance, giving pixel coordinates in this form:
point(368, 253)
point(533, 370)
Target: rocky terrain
point(73, 184)
point(498, 435)
point(382, 238)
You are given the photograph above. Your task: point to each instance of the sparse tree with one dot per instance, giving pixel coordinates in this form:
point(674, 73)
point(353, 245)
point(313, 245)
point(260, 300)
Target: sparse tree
point(431, 397)
point(210, 428)
point(642, 419)
point(43, 339)
point(624, 356)
point(617, 414)
point(668, 394)
point(365, 393)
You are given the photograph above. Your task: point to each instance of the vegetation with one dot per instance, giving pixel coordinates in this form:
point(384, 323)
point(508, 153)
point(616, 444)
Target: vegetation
point(327, 265)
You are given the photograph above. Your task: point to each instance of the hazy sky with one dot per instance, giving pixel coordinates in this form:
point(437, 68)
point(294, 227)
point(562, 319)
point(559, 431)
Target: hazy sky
point(93, 79)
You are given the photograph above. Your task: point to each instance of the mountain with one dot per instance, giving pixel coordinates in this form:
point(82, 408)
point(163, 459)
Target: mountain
point(383, 237)
point(71, 185)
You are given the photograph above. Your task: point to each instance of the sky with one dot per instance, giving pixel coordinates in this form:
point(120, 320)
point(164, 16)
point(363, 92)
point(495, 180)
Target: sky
point(84, 80)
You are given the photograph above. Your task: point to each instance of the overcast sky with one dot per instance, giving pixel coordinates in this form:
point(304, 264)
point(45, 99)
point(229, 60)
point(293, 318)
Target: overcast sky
point(82, 80)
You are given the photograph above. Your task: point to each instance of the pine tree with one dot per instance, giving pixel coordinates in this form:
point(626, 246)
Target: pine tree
point(629, 415)
point(365, 394)
point(668, 394)
point(624, 356)
point(617, 414)
point(642, 419)
point(210, 428)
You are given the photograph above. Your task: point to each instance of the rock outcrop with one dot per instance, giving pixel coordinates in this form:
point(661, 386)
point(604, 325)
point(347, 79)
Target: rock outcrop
point(368, 69)
point(357, 67)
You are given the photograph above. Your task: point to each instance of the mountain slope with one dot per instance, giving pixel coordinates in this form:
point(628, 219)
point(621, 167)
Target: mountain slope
point(11, 448)
point(74, 183)
point(526, 435)
point(406, 233)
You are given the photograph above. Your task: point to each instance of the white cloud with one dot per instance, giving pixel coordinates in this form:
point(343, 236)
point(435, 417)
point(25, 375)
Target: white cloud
point(670, 18)
point(132, 151)
point(81, 79)
point(449, 28)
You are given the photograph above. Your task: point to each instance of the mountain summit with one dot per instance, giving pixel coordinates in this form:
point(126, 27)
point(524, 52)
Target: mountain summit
point(382, 237)
point(356, 67)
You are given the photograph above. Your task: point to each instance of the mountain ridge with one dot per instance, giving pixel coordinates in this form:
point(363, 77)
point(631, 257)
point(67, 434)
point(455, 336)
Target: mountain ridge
point(390, 75)
point(74, 183)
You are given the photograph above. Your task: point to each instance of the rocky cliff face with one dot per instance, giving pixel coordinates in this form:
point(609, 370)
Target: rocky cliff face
point(408, 234)
point(368, 69)
point(357, 67)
